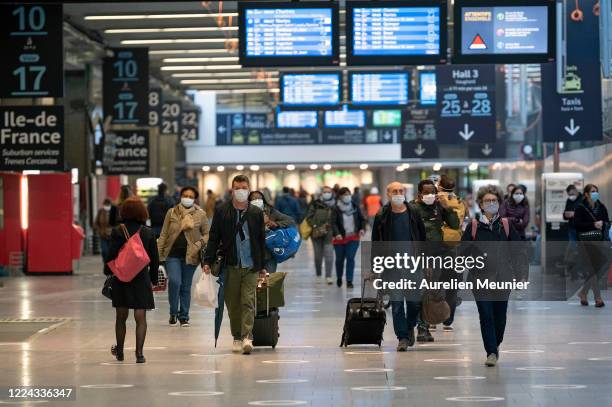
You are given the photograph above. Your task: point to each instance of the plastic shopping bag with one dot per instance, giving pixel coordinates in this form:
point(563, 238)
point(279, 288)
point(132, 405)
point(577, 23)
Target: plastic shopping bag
point(206, 291)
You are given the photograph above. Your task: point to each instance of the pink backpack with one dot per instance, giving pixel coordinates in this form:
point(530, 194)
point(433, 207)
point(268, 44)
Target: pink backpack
point(132, 257)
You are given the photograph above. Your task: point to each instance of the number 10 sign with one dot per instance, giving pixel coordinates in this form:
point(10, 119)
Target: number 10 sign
point(32, 64)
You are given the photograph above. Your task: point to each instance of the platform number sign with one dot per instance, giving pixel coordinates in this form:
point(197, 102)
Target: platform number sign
point(126, 86)
point(171, 117)
point(189, 125)
point(155, 105)
point(32, 51)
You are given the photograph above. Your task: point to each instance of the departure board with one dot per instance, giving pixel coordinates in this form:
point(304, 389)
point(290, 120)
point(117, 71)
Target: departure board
point(427, 88)
point(379, 89)
point(379, 33)
point(285, 34)
point(345, 118)
point(297, 119)
point(310, 89)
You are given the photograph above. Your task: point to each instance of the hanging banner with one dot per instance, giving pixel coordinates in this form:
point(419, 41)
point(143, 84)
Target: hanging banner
point(126, 86)
point(466, 103)
point(155, 105)
point(420, 149)
point(171, 117)
point(32, 138)
point(128, 152)
point(32, 51)
point(189, 125)
point(575, 114)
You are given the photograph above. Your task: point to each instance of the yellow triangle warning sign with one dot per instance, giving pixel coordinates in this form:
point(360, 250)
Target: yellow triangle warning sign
point(478, 43)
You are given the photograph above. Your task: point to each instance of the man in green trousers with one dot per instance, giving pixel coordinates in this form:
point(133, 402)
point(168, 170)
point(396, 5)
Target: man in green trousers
point(238, 233)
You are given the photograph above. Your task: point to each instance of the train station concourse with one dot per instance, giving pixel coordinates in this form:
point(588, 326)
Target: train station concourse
point(306, 203)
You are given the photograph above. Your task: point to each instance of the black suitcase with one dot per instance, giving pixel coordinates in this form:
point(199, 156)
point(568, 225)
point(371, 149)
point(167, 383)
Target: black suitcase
point(364, 322)
point(265, 328)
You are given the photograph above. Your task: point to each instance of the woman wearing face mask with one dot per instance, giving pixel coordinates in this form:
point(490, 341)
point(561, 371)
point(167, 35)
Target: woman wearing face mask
point(184, 234)
point(348, 225)
point(103, 227)
point(516, 209)
point(591, 218)
point(319, 217)
point(492, 306)
point(273, 219)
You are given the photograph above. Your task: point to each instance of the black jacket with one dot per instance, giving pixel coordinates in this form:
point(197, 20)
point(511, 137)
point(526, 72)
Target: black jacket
point(382, 228)
point(338, 222)
point(222, 236)
point(585, 217)
point(570, 206)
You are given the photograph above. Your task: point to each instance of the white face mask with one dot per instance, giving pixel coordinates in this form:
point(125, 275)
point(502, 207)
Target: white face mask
point(241, 195)
point(258, 203)
point(429, 199)
point(326, 196)
point(572, 197)
point(187, 202)
point(107, 207)
point(398, 200)
point(518, 198)
point(346, 199)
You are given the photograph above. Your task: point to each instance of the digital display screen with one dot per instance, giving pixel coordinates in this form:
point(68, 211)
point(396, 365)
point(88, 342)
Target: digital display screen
point(389, 30)
point(384, 88)
point(387, 118)
point(288, 34)
point(296, 120)
point(427, 88)
point(345, 118)
point(505, 29)
point(308, 89)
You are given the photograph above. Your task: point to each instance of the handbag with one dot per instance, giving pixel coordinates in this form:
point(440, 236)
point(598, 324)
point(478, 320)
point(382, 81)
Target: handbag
point(434, 309)
point(305, 229)
point(162, 280)
point(132, 257)
point(595, 235)
point(107, 289)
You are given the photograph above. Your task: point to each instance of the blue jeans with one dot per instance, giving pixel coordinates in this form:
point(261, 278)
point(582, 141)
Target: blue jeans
point(104, 246)
point(346, 252)
point(492, 323)
point(180, 277)
point(404, 320)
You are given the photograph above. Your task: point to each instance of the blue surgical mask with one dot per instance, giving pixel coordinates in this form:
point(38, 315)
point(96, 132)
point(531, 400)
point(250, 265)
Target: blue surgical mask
point(595, 196)
point(492, 208)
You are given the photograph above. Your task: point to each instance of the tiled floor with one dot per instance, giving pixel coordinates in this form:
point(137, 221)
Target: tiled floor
point(555, 353)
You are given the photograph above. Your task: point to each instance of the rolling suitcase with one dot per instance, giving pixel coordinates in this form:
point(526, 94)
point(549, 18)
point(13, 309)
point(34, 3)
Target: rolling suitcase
point(265, 328)
point(364, 322)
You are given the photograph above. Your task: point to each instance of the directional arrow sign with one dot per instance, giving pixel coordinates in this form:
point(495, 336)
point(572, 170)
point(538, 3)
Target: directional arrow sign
point(419, 150)
point(486, 150)
point(572, 129)
point(466, 134)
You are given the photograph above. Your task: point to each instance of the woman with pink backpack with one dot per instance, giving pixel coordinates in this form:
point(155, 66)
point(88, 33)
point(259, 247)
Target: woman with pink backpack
point(133, 263)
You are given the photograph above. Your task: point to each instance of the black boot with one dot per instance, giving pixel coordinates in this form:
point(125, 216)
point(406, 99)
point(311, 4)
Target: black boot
point(117, 353)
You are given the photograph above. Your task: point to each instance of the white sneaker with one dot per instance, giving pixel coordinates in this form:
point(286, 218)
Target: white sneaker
point(237, 346)
point(491, 360)
point(329, 281)
point(247, 346)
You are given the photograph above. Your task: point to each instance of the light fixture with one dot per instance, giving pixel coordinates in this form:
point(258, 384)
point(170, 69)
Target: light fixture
point(327, 167)
point(437, 166)
point(406, 165)
point(473, 167)
point(220, 168)
point(363, 167)
point(153, 41)
point(217, 74)
point(219, 81)
point(158, 16)
point(200, 59)
point(24, 202)
point(399, 168)
point(188, 51)
point(206, 168)
point(313, 166)
point(166, 30)
point(240, 167)
point(290, 167)
point(198, 67)
point(238, 91)
point(254, 167)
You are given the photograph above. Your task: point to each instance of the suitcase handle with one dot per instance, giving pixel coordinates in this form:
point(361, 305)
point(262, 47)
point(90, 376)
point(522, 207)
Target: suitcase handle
point(267, 300)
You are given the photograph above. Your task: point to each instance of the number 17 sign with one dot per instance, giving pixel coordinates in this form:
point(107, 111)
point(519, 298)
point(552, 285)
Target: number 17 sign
point(32, 51)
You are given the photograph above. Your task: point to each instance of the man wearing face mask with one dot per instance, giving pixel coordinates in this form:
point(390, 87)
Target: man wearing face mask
point(237, 233)
point(398, 222)
point(319, 217)
point(435, 213)
point(183, 235)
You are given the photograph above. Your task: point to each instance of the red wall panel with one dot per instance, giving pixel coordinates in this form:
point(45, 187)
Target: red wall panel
point(10, 234)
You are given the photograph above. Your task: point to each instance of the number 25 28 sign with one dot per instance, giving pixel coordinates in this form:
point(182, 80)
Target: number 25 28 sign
point(32, 51)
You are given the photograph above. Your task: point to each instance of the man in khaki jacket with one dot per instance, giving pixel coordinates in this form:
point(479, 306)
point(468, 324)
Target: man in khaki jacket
point(180, 244)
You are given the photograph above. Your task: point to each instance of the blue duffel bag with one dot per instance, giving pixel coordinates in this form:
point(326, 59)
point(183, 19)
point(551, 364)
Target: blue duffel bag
point(283, 243)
